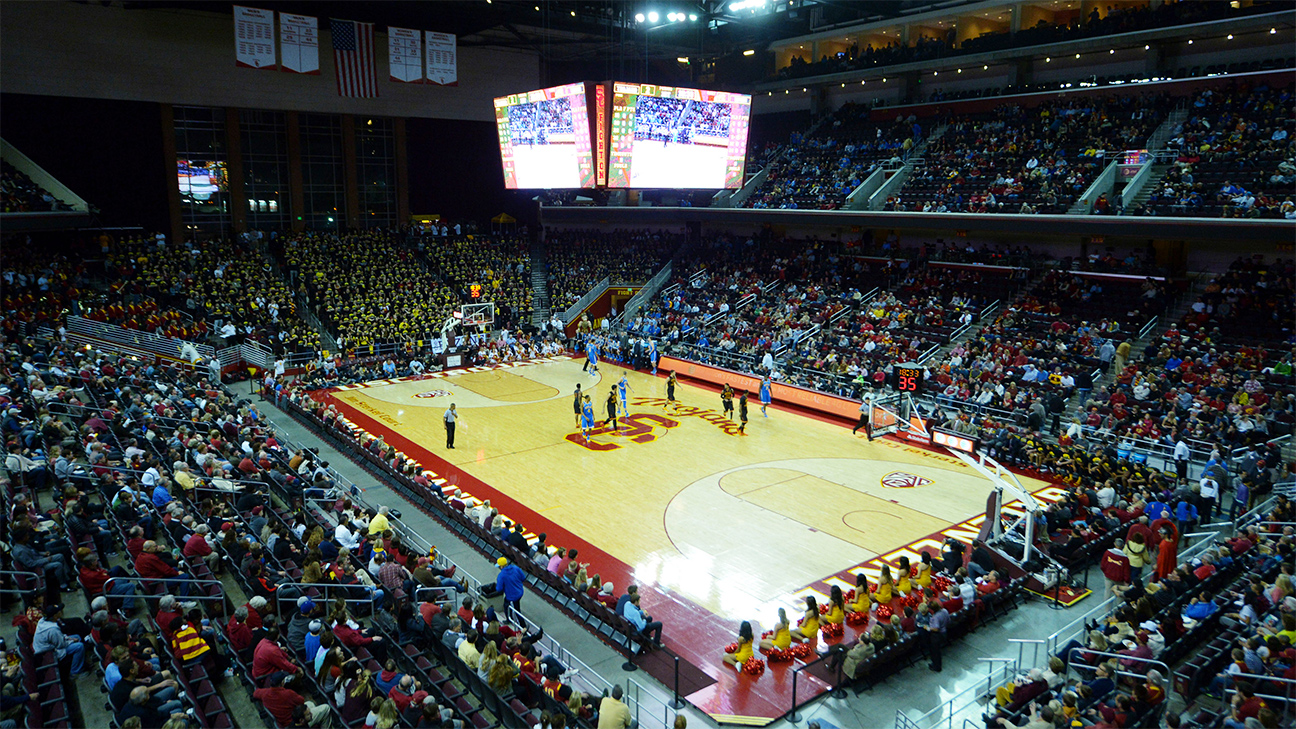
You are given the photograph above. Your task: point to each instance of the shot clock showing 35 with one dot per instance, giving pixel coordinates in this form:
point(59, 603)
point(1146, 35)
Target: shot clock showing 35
point(907, 378)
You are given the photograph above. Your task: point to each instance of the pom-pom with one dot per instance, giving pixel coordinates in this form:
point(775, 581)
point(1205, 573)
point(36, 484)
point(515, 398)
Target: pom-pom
point(913, 571)
point(823, 609)
point(731, 648)
point(754, 667)
point(850, 596)
point(884, 613)
point(767, 634)
point(857, 618)
point(873, 588)
point(801, 650)
point(832, 630)
point(800, 622)
point(779, 655)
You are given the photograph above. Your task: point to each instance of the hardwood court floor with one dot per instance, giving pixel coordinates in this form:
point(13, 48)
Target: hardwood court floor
point(725, 527)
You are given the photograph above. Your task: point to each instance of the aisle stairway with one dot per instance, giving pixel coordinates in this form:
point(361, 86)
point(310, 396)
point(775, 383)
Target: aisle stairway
point(1150, 185)
point(539, 285)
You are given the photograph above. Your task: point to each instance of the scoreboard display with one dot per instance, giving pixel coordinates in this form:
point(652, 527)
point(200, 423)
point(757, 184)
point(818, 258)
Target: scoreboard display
point(907, 378)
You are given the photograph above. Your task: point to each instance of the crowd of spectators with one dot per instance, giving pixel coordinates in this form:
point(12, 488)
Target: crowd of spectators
point(1220, 375)
point(1026, 160)
point(167, 487)
point(40, 286)
point(367, 287)
point(1117, 19)
point(500, 265)
point(224, 291)
point(577, 260)
point(819, 170)
point(20, 194)
point(1236, 157)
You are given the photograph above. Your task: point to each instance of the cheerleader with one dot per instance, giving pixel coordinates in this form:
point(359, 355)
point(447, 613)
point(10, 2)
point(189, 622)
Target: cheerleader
point(809, 622)
point(782, 638)
point(765, 395)
point(744, 652)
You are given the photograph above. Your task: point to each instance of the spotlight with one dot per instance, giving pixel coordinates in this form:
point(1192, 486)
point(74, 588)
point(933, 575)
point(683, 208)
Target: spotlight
point(1230, 36)
point(692, 17)
point(1077, 55)
point(749, 52)
point(670, 17)
point(1048, 60)
point(639, 17)
point(653, 17)
point(1190, 41)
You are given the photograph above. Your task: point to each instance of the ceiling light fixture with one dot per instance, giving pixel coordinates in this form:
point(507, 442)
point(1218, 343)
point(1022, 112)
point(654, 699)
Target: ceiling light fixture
point(749, 52)
point(653, 17)
point(639, 17)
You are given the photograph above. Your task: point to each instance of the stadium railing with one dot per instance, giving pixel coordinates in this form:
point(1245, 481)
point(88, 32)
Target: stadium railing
point(583, 303)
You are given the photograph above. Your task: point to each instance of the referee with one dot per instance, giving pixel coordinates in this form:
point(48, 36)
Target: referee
point(864, 409)
point(450, 417)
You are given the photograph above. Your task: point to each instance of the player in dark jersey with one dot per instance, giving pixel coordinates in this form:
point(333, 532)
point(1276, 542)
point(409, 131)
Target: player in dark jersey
point(670, 391)
point(726, 401)
point(742, 412)
point(576, 404)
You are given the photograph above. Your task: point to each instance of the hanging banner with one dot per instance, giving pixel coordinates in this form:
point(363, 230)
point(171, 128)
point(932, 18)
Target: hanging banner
point(254, 38)
point(441, 62)
point(299, 43)
point(405, 55)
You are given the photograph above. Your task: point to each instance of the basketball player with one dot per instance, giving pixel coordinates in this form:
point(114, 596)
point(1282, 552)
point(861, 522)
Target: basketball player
point(670, 392)
point(612, 409)
point(576, 404)
point(742, 412)
point(623, 385)
point(587, 416)
point(765, 395)
point(726, 401)
point(591, 354)
point(652, 355)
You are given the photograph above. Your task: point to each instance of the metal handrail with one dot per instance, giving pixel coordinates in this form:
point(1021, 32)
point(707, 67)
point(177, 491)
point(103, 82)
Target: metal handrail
point(169, 580)
point(15, 591)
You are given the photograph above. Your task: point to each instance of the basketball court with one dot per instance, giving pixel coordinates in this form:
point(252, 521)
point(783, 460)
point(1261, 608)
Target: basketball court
point(715, 526)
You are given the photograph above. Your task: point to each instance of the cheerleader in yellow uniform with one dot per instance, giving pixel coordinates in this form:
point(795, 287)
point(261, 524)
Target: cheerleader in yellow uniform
point(925, 571)
point(810, 623)
point(902, 583)
point(782, 634)
point(862, 596)
point(836, 607)
point(744, 652)
point(886, 586)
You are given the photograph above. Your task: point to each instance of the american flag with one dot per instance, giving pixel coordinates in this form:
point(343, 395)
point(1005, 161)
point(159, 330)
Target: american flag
point(353, 56)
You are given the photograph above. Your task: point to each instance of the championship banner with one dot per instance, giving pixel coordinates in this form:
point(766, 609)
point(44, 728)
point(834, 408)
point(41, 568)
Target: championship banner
point(299, 43)
point(254, 38)
point(405, 55)
point(442, 65)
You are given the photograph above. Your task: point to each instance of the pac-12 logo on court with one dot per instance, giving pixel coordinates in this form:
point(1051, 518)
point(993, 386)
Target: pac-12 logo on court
point(902, 480)
point(434, 393)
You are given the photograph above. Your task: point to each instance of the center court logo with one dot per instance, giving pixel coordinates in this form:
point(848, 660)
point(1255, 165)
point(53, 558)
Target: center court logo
point(636, 428)
point(433, 393)
point(902, 480)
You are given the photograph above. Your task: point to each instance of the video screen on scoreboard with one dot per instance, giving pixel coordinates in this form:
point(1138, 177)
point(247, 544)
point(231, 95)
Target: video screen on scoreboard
point(544, 138)
point(668, 137)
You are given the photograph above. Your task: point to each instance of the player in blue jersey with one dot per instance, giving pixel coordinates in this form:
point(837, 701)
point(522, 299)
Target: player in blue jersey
point(587, 417)
point(591, 355)
point(623, 385)
point(652, 355)
point(765, 395)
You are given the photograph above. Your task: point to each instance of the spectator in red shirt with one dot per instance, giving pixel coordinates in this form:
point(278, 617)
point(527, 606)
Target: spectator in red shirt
point(353, 638)
point(168, 610)
point(466, 611)
point(93, 577)
point(135, 542)
point(240, 635)
point(198, 546)
point(282, 701)
point(953, 601)
point(607, 595)
point(269, 662)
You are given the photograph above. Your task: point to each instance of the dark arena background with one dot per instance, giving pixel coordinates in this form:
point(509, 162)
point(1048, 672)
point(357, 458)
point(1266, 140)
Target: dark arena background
point(648, 363)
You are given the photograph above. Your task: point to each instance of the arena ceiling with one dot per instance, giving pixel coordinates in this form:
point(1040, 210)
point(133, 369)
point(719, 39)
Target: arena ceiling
point(596, 30)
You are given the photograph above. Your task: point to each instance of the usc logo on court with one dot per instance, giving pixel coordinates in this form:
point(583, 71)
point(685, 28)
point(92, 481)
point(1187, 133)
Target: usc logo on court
point(902, 480)
point(434, 393)
point(636, 428)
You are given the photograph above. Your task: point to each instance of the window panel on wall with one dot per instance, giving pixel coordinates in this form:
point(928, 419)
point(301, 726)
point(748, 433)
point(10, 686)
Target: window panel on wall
point(265, 168)
point(202, 169)
point(323, 176)
point(376, 171)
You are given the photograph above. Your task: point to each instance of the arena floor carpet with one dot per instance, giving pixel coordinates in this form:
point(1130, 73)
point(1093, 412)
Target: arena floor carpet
point(715, 526)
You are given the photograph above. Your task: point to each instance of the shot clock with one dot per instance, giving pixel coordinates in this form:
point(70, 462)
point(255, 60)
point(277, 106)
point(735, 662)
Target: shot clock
point(907, 379)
